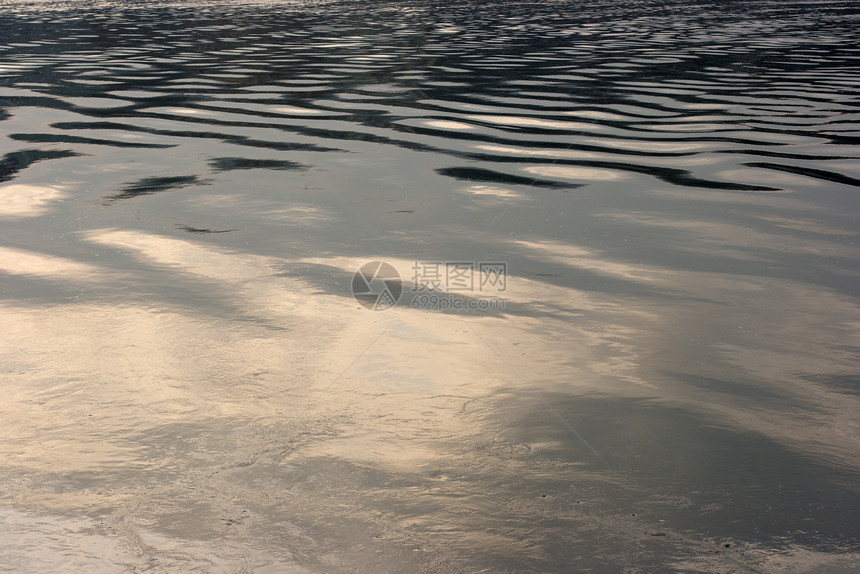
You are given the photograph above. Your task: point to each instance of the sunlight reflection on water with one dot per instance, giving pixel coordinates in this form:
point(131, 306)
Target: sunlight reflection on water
point(187, 190)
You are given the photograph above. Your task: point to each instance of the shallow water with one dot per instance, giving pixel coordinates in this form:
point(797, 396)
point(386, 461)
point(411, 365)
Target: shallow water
point(188, 189)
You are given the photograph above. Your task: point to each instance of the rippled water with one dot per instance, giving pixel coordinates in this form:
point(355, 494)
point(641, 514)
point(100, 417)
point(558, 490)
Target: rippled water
point(188, 384)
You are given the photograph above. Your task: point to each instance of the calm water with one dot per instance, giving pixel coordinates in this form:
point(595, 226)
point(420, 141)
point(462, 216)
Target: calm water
point(188, 385)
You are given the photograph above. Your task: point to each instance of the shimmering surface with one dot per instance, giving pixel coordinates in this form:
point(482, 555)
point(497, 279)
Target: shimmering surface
point(188, 385)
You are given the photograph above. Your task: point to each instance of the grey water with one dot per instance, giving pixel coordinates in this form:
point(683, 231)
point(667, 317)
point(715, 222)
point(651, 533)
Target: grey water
point(668, 379)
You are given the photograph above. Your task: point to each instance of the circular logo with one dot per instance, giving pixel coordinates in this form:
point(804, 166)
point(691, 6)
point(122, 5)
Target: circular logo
point(377, 286)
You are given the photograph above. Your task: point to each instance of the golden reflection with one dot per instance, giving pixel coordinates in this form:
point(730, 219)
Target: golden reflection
point(86, 372)
point(768, 177)
point(577, 173)
point(492, 192)
point(21, 200)
point(296, 111)
point(20, 262)
point(202, 404)
point(183, 254)
point(549, 331)
point(597, 115)
point(243, 106)
point(298, 214)
point(529, 122)
point(649, 145)
point(448, 125)
point(592, 260)
point(521, 151)
point(689, 127)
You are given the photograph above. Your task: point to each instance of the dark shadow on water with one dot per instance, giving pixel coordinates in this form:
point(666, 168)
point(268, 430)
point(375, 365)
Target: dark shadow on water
point(202, 230)
point(229, 138)
point(491, 176)
point(57, 138)
point(231, 163)
point(693, 473)
point(14, 162)
point(150, 185)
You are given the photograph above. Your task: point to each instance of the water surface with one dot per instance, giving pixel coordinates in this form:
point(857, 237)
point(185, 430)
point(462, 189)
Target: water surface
point(188, 384)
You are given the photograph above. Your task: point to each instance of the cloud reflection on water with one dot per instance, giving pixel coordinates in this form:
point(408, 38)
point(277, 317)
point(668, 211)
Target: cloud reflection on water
point(188, 383)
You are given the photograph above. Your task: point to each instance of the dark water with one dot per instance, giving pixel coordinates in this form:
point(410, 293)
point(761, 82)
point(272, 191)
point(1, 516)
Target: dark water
point(188, 384)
